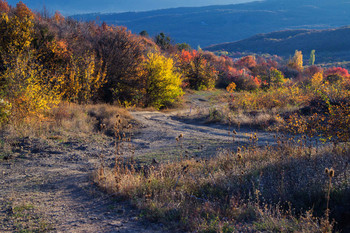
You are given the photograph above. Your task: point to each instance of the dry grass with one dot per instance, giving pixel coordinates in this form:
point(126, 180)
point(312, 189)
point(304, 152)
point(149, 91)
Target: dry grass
point(65, 122)
point(252, 189)
point(70, 118)
point(262, 119)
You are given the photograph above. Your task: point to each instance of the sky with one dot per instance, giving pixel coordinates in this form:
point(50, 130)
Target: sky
point(69, 7)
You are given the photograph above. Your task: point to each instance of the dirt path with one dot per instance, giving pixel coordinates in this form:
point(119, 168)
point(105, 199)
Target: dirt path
point(47, 186)
point(157, 137)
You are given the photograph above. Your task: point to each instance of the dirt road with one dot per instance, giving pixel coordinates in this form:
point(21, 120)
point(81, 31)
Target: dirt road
point(157, 139)
point(47, 185)
point(48, 188)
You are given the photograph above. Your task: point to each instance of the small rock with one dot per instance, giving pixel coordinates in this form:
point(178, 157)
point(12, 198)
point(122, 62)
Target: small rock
point(116, 223)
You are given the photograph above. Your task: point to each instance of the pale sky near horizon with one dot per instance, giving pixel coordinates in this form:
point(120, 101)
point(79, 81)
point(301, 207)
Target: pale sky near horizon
point(68, 7)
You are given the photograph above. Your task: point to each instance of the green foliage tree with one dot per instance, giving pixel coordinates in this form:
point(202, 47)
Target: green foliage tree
point(312, 58)
point(162, 81)
point(163, 41)
point(183, 46)
point(144, 33)
point(273, 78)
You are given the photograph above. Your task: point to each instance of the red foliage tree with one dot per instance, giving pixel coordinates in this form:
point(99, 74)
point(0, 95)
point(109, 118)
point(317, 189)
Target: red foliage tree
point(58, 17)
point(4, 7)
point(22, 10)
point(339, 71)
point(248, 62)
point(198, 72)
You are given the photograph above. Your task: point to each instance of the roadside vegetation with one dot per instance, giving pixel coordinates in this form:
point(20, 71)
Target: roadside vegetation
point(274, 189)
point(63, 79)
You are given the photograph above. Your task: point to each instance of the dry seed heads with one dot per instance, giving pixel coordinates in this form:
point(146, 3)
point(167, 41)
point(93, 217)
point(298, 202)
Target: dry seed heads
point(179, 137)
point(330, 172)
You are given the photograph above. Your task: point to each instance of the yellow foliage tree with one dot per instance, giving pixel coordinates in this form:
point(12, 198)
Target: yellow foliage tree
point(162, 81)
point(28, 88)
point(84, 77)
point(297, 61)
point(16, 34)
point(25, 83)
point(317, 79)
point(231, 87)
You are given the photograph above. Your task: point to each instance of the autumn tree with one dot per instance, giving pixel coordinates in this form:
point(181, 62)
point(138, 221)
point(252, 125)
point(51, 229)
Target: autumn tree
point(162, 81)
point(317, 79)
point(83, 79)
point(58, 17)
point(28, 88)
point(246, 62)
point(16, 33)
point(198, 72)
point(16, 38)
point(23, 11)
point(274, 78)
point(122, 54)
point(335, 74)
point(4, 7)
point(25, 82)
point(297, 61)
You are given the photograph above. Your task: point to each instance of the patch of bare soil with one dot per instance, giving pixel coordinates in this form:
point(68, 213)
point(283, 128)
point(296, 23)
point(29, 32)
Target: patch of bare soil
point(157, 138)
point(46, 187)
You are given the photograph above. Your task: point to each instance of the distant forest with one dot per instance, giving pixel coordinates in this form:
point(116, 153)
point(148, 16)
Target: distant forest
point(205, 26)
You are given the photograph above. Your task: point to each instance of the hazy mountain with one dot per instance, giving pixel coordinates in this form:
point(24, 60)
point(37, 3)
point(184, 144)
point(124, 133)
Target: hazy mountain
point(217, 24)
point(88, 6)
point(330, 44)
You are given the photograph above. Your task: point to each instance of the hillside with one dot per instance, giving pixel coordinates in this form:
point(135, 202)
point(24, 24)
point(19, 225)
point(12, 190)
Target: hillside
point(205, 26)
point(68, 7)
point(330, 44)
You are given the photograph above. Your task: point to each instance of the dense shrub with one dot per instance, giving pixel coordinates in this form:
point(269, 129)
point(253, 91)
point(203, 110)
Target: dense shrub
point(162, 81)
point(197, 71)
